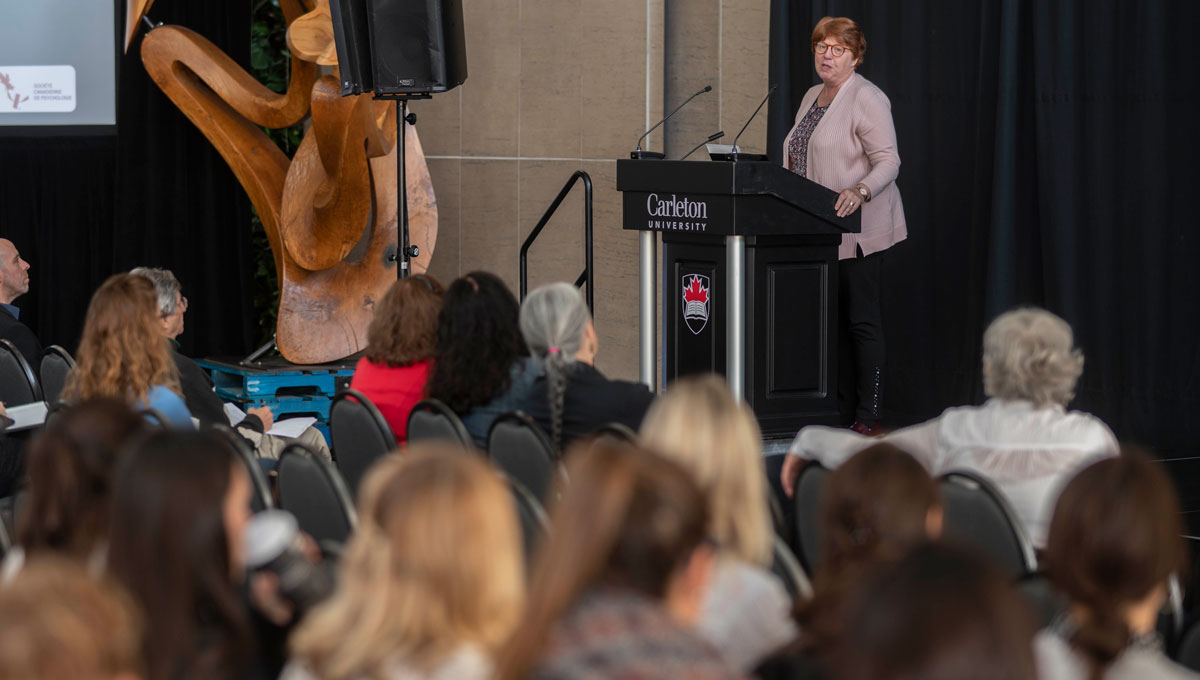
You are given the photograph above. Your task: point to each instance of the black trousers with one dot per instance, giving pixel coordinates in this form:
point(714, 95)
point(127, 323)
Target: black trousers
point(862, 322)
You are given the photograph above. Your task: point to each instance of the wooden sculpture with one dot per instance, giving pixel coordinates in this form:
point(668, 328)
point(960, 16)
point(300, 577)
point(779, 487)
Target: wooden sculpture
point(330, 212)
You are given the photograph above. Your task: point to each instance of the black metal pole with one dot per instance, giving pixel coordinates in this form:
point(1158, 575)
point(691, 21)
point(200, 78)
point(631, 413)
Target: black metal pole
point(402, 260)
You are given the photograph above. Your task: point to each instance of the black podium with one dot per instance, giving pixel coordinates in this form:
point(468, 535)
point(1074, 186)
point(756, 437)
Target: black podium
point(749, 285)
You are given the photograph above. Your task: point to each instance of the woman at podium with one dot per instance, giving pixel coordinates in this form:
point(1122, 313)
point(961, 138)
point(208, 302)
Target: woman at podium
point(844, 139)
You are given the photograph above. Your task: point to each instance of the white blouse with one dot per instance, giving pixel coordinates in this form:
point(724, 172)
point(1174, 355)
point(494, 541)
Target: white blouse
point(1028, 453)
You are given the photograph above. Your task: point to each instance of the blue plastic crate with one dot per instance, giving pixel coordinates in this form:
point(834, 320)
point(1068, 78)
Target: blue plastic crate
point(237, 382)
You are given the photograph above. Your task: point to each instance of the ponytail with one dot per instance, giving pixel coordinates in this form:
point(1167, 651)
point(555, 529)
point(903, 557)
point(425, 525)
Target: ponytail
point(553, 320)
point(1101, 638)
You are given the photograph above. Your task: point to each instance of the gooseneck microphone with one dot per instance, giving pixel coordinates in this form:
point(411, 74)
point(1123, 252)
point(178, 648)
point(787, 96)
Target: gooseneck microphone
point(711, 138)
point(654, 154)
point(760, 105)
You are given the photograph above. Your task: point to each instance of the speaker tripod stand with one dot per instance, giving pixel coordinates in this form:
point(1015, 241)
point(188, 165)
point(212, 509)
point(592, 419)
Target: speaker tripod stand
point(404, 251)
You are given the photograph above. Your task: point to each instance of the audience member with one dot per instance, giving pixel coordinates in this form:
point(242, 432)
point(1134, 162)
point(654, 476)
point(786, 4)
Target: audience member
point(401, 341)
point(58, 621)
point(481, 367)
point(123, 355)
point(571, 398)
point(69, 493)
point(873, 510)
point(14, 282)
point(698, 424)
point(621, 577)
point(180, 506)
point(1022, 438)
point(432, 582)
point(197, 386)
point(1115, 540)
point(937, 614)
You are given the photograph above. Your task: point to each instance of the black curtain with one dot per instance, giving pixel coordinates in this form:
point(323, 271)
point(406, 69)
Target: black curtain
point(1046, 159)
point(80, 208)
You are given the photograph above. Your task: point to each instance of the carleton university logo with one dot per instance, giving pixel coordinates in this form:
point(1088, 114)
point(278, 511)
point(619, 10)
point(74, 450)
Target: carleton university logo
point(695, 302)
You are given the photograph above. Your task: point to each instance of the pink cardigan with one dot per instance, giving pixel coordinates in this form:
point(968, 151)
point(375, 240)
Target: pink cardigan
point(855, 141)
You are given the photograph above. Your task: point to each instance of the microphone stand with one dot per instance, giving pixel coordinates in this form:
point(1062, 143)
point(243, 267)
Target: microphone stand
point(638, 153)
point(711, 138)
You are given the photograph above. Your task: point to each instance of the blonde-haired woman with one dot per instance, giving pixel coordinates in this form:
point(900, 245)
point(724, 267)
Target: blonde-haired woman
point(122, 354)
point(432, 583)
point(699, 424)
point(1023, 438)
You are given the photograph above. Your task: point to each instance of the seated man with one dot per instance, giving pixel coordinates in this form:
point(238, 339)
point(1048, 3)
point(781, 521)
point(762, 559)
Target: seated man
point(197, 386)
point(14, 282)
point(1023, 439)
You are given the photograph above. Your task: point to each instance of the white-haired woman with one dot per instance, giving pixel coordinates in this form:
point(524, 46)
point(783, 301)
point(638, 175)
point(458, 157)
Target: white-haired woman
point(698, 424)
point(1023, 438)
point(571, 398)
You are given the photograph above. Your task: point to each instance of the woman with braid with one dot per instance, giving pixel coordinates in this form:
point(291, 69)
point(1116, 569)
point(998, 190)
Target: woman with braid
point(571, 398)
point(1115, 540)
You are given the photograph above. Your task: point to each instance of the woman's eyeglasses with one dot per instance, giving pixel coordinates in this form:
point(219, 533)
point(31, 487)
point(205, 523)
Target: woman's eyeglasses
point(838, 50)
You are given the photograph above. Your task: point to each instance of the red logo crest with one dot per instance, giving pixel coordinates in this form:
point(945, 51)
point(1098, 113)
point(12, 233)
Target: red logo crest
point(696, 302)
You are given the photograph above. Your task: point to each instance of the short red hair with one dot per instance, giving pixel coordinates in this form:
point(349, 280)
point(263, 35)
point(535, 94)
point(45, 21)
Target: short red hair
point(845, 31)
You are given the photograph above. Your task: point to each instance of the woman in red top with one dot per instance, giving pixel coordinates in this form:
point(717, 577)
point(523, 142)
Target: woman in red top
point(399, 354)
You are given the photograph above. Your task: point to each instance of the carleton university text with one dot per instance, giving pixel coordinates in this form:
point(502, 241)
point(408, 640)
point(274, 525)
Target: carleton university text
point(686, 213)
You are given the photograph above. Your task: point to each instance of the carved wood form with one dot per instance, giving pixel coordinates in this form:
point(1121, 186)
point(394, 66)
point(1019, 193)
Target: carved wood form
point(329, 212)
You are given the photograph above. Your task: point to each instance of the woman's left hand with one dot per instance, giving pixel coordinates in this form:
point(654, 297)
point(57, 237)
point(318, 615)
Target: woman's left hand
point(848, 201)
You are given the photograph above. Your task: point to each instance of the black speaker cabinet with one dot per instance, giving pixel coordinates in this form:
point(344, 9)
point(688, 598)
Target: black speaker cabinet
point(353, 39)
point(417, 46)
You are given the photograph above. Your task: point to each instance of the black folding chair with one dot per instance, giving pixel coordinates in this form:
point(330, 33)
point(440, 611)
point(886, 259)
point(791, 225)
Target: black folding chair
point(785, 566)
point(57, 364)
point(18, 383)
point(532, 517)
point(978, 515)
point(523, 451)
point(618, 433)
point(261, 497)
point(5, 542)
point(360, 436)
point(311, 489)
point(432, 420)
point(807, 500)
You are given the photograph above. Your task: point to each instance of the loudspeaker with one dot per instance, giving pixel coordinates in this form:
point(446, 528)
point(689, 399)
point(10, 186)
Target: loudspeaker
point(353, 38)
point(417, 46)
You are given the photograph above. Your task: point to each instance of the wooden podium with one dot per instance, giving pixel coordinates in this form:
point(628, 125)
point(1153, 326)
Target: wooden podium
point(749, 282)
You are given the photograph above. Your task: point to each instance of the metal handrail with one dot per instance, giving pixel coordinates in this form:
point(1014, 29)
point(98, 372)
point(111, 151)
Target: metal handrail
point(587, 275)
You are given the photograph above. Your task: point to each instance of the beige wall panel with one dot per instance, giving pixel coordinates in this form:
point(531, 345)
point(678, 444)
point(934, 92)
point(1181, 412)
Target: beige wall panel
point(745, 26)
point(439, 123)
point(489, 218)
point(558, 253)
point(446, 174)
point(550, 105)
point(616, 262)
point(612, 49)
point(692, 30)
point(489, 97)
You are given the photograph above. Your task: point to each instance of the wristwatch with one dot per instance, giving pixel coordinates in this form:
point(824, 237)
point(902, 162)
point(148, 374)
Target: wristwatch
point(862, 191)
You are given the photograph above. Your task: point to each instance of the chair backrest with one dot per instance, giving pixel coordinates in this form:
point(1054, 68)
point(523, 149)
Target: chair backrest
point(532, 517)
point(1046, 601)
point(807, 501)
point(311, 489)
point(18, 384)
point(360, 436)
point(5, 542)
point(1188, 652)
point(616, 432)
point(978, 515)
point(785, 565)
point(56, 365)
point(431, 419)
point(262, 496)
point(523, 451)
